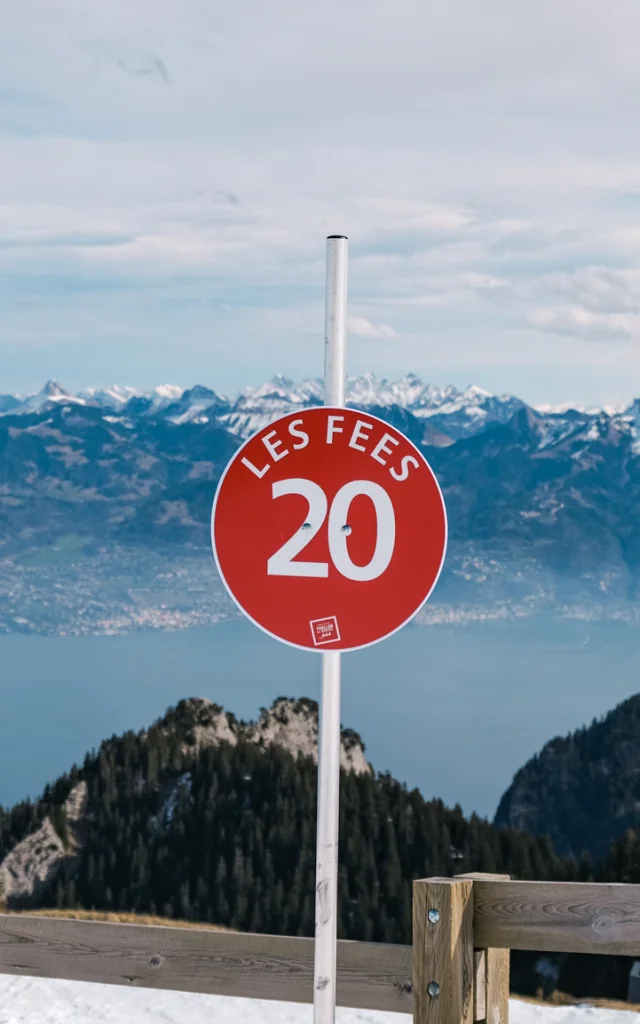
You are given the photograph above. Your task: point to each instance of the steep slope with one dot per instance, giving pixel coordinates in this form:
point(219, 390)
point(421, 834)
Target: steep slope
point(76, 470)
point(564, 496)
point(30, 869)
point(582, 790)
point(54, 839)
point(204, 817)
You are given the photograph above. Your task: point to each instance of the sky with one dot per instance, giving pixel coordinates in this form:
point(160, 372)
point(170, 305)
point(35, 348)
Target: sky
point(169, 170)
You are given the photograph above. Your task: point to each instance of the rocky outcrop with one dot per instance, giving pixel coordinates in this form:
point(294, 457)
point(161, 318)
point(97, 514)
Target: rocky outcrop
point(288, 723)
point(31, 867)
point(293, 724)
point(199, 723)
point(75, 806)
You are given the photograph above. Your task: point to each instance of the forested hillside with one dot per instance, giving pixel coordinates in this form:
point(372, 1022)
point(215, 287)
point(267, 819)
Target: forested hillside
point(583, 789)
point(183, 823)
point(205, 818)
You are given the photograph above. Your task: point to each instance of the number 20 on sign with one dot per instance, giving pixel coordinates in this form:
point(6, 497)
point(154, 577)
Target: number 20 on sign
point(329, 529)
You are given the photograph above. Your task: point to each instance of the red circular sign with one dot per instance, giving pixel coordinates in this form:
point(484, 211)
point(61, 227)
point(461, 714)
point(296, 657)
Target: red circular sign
point(329, 529)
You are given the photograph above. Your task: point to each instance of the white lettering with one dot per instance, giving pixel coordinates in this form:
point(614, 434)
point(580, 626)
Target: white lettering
point(282, 564)
point(272, 448)
point(332, 428)
point(359, 434)
point(302, 434)
point(385, 531)
point(408, 460)
point(258, 472)
point(382, 447)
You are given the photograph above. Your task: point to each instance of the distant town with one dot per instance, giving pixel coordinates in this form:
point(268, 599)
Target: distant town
point(114, 592)
point(119, 590)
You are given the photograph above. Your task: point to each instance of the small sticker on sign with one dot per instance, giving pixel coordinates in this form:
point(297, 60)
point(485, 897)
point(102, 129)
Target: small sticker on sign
point(325, 631)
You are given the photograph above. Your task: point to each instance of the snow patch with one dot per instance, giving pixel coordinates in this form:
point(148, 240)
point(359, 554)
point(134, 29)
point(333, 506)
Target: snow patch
point(42, 1001)
point(184, 783)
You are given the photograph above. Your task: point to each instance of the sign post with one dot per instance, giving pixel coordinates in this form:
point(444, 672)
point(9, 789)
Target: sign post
point(324, 980)
point(329, 531)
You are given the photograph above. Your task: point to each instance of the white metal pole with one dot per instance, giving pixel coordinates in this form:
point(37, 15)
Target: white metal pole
point(324, 992)
point(335, 337)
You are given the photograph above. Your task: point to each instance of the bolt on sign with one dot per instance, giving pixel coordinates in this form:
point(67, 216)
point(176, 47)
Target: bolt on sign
point(329, 529)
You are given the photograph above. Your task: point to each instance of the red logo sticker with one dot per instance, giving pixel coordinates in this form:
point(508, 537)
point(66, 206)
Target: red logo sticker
point(325, 631)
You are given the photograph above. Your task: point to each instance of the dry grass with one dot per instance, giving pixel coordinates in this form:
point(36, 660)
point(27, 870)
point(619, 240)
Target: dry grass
point(118, 918)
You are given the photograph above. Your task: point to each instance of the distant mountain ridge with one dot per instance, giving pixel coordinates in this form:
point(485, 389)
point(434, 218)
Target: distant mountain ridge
point(453, 413)
point(542, 507)
point(464, 411)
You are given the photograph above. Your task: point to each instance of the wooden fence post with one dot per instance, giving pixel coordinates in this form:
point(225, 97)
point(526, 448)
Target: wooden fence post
point(491, 972)
point(443, 951)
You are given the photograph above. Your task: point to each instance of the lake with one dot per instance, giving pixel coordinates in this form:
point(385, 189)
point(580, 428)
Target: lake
point(454, 710)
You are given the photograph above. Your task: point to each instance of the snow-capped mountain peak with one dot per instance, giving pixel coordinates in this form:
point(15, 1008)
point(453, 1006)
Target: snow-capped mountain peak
point(115, 395)
point(52, 392)
point(473, 390)
point(448, 413)
point(169, 392)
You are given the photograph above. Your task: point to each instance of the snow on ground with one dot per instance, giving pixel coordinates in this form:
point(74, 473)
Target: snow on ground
point(38, 1001)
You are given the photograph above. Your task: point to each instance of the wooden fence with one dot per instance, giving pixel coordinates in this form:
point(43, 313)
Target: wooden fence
point(457, 971)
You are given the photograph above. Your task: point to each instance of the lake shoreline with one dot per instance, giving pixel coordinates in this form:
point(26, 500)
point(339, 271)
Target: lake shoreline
point(454, 710)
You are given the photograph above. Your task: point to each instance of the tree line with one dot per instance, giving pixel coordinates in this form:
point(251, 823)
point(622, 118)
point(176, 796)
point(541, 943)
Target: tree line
point(226, 834)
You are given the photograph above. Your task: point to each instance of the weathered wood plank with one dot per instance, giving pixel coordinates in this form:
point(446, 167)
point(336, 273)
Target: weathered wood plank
point(371, 975)
point(479, 984)
point(498, 964)
point(443, 951)
point(570, 917)
point(492, 973)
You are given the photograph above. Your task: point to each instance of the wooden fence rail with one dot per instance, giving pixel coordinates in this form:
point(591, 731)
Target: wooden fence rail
point(456, 973)
point(562, 917)
point(476, 919)
point(370, 975)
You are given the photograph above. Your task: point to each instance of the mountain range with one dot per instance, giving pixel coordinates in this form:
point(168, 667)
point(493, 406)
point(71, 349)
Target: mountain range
point(461, 413)
point(457, 413)
point(542, 505)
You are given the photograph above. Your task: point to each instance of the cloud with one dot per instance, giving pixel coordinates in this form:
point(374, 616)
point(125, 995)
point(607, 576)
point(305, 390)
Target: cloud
point(485, 170)
point(152, 67)
point(598, 289)
point(363, 328)
point(423, 217)
point(578, 322)
point(593, 303)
